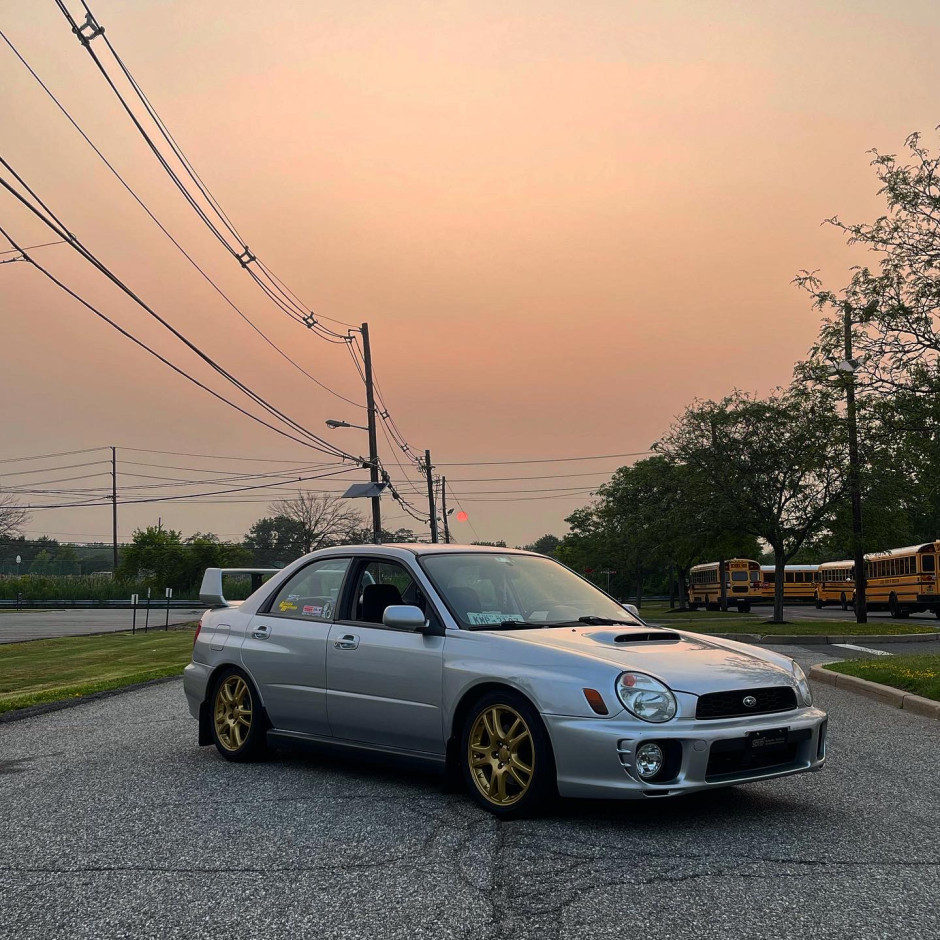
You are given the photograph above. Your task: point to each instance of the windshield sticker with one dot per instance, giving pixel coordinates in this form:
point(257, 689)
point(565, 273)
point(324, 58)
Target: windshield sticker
point(285, 606)
point(312, 611)
point(492, 616)
point(327, 610)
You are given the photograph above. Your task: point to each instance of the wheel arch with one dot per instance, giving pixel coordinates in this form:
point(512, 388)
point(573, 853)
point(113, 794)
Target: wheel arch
point(462, 709)
point(205, 730)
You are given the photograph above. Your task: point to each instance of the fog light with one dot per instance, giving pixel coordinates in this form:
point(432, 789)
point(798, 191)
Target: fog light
point(649, 760)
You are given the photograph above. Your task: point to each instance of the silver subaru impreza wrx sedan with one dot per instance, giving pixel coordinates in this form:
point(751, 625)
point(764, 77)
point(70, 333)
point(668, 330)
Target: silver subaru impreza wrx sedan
point(503, 668)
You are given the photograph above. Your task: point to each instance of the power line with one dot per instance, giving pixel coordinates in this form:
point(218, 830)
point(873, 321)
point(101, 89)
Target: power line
point(71, 466)
point(11, 251)
point(496, 463)
point(99, 501)
point(273, 287)
point(165, 231)
point(64, 453)
point(56, 225)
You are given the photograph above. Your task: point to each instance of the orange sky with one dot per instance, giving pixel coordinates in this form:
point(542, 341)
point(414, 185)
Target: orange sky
point(563, 221)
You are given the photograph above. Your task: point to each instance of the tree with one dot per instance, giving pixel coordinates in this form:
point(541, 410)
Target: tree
point(652, 519)
point(777, 464)
point(274, 540)
point(12, 516)
point(155, 555)
point(895, 305)
point(545, 545)
point(322, 519)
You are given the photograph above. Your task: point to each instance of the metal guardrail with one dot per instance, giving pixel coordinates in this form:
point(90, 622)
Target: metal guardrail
point(26, 603)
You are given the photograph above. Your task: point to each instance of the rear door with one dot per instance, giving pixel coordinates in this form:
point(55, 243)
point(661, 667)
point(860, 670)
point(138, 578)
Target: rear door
point(285, 647)
point(385, 685)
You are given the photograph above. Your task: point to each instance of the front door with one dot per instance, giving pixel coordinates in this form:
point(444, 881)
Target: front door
point(384, 684)
point(285, 647)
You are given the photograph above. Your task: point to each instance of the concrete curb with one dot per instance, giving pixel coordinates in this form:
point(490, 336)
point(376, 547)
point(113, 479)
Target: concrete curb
point(18, 714)
point(819, 639)
point(886, 694)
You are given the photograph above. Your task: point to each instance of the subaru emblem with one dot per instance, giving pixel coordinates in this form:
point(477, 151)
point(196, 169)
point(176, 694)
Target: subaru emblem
point(749, 701)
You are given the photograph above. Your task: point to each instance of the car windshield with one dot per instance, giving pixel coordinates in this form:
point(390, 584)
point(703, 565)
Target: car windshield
point(489, 589)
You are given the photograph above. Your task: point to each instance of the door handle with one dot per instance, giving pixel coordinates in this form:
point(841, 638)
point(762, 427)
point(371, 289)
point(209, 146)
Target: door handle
point(348, 642)
point(261, 633)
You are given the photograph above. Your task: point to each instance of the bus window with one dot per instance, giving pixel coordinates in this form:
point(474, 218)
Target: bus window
point(927, 562)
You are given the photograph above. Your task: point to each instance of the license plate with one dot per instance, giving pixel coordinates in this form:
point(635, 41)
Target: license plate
point(768, 740)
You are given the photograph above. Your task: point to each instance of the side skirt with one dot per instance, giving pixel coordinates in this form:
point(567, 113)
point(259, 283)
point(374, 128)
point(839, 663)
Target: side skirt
point(367, 753)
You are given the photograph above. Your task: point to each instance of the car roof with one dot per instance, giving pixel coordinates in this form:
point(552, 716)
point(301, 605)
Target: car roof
point(424, 548)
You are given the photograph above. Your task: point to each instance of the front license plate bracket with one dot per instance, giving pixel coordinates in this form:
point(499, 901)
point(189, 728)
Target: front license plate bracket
point(770, 739)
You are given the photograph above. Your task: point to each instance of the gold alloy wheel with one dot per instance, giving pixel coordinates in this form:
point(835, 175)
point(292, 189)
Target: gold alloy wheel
point(501, 755)
point(232, 712)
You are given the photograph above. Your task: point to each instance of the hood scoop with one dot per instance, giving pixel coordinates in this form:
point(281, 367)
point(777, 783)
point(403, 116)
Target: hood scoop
point(648, 636)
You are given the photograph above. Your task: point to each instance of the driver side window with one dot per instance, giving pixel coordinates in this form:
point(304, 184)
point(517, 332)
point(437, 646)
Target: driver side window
point(311, 593)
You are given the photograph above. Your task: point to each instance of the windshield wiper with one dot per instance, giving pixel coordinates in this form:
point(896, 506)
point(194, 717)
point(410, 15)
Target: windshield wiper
point(607, 622)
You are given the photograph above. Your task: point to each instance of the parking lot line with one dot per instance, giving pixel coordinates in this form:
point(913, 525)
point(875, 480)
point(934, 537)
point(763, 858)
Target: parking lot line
point(863, 649)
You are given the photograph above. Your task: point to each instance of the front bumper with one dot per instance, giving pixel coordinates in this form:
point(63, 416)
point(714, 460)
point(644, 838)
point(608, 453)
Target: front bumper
point(595, 758)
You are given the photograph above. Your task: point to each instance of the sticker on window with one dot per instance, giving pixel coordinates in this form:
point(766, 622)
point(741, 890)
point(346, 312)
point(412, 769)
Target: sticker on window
point(327, 610)
point(492, 616)
point(284, 606)
point(312, 611)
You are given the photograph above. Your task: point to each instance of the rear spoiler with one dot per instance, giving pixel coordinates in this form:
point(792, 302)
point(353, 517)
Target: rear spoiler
point(210, 593)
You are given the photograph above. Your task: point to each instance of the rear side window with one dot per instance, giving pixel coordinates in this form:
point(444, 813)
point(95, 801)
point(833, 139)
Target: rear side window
point(312, 593)
point(927, 562)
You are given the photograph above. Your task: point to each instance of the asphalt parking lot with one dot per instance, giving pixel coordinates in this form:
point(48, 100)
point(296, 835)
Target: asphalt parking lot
point(19, 625)
point(116, 825)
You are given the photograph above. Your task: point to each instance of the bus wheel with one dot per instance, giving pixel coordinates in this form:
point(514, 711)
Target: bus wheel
point(843, 603)
point(897, 611)
point(937, 613)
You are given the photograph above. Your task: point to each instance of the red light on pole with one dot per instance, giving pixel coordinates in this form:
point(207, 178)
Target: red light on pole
point(462, 516)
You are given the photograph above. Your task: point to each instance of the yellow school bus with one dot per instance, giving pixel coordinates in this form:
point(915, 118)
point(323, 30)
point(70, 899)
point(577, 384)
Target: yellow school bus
point(903, 580)
point(799, 582)
point(742, 584)
point(835, 584)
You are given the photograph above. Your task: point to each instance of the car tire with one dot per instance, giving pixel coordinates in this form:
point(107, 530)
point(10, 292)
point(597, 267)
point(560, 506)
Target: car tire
point(236, 719)
point(506, 757)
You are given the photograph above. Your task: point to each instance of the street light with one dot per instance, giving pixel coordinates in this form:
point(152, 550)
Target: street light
point(373, 465)
point(333, 423)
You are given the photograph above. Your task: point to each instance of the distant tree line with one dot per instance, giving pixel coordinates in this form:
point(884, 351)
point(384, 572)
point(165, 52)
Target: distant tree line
point(749, 476)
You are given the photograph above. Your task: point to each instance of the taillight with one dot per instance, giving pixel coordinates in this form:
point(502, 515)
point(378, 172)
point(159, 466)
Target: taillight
point(196, 637)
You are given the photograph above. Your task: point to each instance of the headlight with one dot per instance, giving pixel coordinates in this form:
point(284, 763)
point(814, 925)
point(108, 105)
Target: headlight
point(646, 697)
point(802, 683)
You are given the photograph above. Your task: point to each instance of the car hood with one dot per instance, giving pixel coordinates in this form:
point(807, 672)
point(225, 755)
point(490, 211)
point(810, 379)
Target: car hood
point(686, 662)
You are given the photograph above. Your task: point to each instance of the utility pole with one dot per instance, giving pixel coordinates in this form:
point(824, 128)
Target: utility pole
point(114, 527)
point(855, 487)
point(373, 443)
point(431, 504)
point(444, 510)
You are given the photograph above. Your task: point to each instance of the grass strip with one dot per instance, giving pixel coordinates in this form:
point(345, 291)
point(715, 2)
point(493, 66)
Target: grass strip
point(44, 671)
point(917, 674)
point(804, 628)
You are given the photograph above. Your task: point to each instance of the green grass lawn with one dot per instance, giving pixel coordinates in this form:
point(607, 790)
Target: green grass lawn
point(716, 621)
point(43, 671)
point(917, 674)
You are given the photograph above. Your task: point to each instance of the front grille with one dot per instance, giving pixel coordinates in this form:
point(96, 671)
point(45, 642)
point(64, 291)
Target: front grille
point(742, 761)
point(731, 704)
